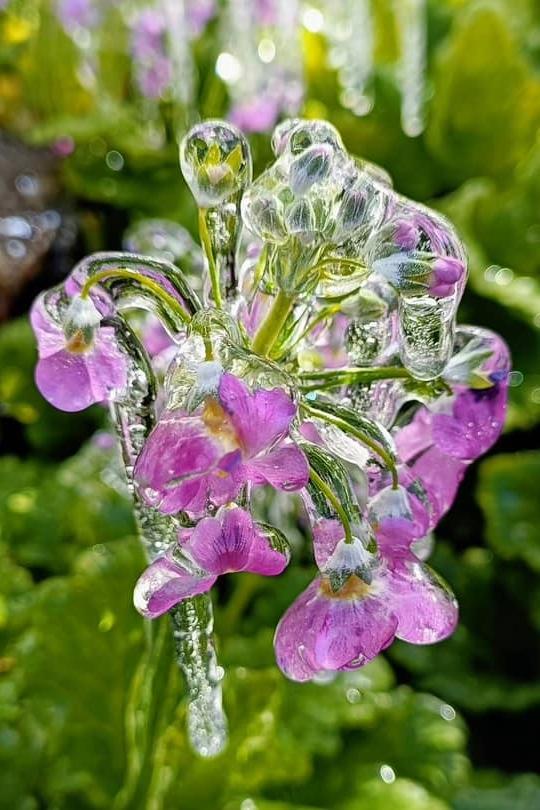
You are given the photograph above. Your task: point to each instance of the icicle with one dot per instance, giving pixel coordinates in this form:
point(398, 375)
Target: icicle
point(426, 327)
point(349, 27)
point(193, 624)
point(180, 52)
point(412, 31)
point(192, 620)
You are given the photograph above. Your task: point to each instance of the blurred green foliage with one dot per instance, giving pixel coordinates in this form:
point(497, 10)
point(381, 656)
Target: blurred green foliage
point(91, 710)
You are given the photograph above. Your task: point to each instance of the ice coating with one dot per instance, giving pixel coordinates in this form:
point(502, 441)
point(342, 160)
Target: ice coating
point(322, 358)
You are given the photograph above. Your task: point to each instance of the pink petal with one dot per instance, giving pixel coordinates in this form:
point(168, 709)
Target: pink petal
point(176, 456)
point(321, 633)
point(164, 584)
point(425, 607)
point(440, 476)
point(64, 381)
point(234, 545)
point(475, 424)
point(107, 365)
point(259, 418)
point(49, 334)
point(327, 532)
point(296, 634)
point(285, 468)
point(414, 437)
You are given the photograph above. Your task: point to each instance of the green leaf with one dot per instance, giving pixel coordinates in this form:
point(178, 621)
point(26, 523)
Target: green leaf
point(508, 495)
point(48, 513)
point(521, 793)
point(486, 104)
point(335, 476)
point(365, 430)
point(402, 794)
point(74, 664)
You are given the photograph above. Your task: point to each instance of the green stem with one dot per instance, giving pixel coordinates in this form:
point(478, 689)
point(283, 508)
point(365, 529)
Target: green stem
point(272, 325)
point(213, 269)
point(347, 428)
point(332, 498)
point(315, 380)
point(152, 286)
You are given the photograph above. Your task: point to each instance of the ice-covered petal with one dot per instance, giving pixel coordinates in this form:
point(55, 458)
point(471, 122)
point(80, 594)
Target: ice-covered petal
point(425, 607)
point(165, 583)
point(415, 437)
point(180, 464)
point(233, 543)
point(64, 380)
point(284, 468)
point(259, 418)
point(47, 329)
point(439, 475)
point(474, 425)
point(323, 631)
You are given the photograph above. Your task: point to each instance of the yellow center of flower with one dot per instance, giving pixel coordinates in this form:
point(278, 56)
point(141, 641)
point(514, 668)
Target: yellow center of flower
point(218, 425)
point(77, 343)
point(353, 588)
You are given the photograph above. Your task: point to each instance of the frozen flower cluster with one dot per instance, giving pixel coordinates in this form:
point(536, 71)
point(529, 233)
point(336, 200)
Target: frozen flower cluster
point(323, 361)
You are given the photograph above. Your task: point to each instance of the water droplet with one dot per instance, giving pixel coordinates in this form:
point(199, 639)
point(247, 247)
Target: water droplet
point(447, 712)
point(387, 774)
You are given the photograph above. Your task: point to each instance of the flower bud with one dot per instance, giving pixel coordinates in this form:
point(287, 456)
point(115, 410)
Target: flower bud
point(263, 215)
point(216, 162)
point(282, 133)
point(352, 210)
point(447, 272)
point(311, 167)
point(300, 219)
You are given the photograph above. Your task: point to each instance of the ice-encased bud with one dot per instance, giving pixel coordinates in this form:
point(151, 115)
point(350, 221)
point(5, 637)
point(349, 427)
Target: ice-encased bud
point(480, 359)
point(300, 219)
point(215, 159)
point(263, 215)
point(308, 133)
point(281, 134)
point(390, 504)
point(349, 559)
point(352, 209)
point(311, 167)
point(81, 321)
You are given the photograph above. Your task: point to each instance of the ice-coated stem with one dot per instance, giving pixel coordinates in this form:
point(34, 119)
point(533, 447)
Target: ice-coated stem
point(272, 324)
point(193, 623)
point(192, 620)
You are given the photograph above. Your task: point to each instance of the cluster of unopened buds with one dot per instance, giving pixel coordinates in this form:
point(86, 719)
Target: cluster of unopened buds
point(322, 359)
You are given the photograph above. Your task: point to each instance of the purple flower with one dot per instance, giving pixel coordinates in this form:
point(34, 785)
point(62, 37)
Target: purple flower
point(230, 542)
point(256, 115)
point(153, 67)
point(446, 274)
point(78, 14)
point(235, 437)
point(80, 362)
point(474, 424)
point(357, 606)
point(198, 15)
